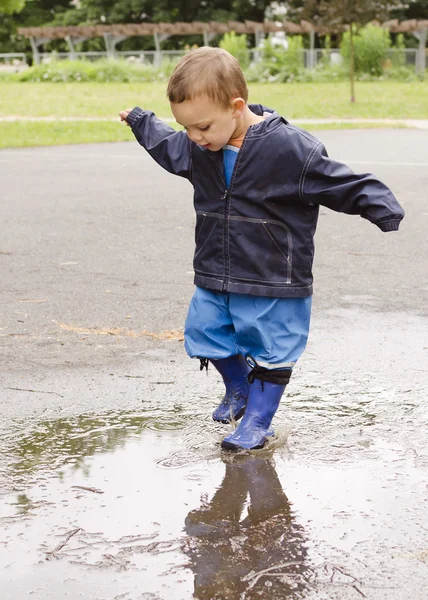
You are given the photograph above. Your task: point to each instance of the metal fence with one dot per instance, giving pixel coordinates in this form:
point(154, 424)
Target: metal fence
point(405, 56)
point(310, 58)
point(145, 56)
point(13, 62)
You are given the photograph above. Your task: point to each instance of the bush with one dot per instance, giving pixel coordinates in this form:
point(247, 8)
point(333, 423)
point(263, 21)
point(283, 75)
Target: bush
point(399, 56)
point(5, 77)
point(403, 74)
point(120, 71)
point(294, 55)
point(237, 46)
point(323, 73)
point(278, 64)
point(275, 65)
point(371, 45)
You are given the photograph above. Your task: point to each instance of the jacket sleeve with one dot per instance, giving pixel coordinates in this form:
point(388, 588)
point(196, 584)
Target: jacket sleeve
point(329, 183)
point(169, 148)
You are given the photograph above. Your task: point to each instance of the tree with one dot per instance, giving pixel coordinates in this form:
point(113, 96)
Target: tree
point(80, 12)
point(134, 11)
point(337, 15)
point(8, 7)
point(34, 13)
point(415, 9)
point(157, 11)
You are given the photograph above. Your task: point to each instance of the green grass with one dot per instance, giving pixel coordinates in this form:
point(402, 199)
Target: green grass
point(21, 134)
point(80, 99)
point(380, 100)
point(300, 100)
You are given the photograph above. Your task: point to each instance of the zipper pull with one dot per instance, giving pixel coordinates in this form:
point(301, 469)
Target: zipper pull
point(224, 195)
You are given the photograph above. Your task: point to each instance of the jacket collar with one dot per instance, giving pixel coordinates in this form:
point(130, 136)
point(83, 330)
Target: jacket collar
point(272, 121)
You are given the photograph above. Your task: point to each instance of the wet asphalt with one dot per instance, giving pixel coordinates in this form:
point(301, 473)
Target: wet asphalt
point(112, 483)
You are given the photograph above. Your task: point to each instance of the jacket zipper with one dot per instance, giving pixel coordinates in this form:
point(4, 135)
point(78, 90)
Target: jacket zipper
point(226, 199)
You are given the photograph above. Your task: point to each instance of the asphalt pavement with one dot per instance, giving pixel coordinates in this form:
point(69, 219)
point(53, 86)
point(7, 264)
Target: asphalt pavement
point(97, 394)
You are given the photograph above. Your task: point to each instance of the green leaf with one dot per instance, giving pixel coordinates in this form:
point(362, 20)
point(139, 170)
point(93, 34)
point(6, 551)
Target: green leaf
point(11, 6)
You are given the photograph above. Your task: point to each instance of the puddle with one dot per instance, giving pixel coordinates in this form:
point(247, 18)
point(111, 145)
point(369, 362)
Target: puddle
point(112, 484)
point(145, 505)
point(140, 504)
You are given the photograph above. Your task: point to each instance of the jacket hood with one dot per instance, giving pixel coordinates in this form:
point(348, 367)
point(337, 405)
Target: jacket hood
point(260, 109)
point(272, 120)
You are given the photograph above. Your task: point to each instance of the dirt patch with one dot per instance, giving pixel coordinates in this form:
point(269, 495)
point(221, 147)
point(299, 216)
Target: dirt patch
point(174, 335)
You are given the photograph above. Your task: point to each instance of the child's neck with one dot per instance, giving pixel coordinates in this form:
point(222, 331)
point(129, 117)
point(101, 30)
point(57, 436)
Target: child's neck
point(244, 122)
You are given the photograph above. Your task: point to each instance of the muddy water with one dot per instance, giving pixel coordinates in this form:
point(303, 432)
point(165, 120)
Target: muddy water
point(135, 500)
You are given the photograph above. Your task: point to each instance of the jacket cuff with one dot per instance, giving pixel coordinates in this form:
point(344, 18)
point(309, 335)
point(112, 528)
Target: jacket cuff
point(134, 115)
point(392, 225)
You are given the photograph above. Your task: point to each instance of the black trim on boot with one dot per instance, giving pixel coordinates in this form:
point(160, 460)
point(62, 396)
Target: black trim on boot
point(204, 364)
point(280, 376)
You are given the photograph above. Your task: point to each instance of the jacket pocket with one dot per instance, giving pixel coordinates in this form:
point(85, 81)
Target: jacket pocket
point(209, 235)
point(261, 250)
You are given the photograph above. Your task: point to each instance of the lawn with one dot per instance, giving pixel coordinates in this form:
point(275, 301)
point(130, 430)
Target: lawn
point(21, 134)
point(379, 100)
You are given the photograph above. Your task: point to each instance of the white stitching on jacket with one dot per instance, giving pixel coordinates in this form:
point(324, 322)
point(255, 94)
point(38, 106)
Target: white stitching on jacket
point(305, 170)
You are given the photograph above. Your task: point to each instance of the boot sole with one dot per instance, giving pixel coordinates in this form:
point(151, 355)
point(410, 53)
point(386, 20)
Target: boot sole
point(234, 447)
point(228, 421)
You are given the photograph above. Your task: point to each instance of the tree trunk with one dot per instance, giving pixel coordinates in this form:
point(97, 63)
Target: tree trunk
point(352, 62)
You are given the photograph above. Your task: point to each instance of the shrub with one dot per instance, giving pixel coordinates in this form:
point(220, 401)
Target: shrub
point(4, 77)
point(294, 55)
point(277, 63)
point(120, 71)
point(403, 74)
point(323, 73)
point(371, 45)
point(237, 46)
point(399, 56)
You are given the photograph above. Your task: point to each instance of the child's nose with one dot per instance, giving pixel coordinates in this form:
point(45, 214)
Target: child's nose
point(195, 136)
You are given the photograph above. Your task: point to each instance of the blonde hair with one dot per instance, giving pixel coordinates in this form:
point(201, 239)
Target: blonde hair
point(211, 72)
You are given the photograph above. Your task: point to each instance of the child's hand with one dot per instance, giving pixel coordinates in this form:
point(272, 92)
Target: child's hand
point(124, 114)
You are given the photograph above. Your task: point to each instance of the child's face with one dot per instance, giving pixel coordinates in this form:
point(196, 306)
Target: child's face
point(206, 123)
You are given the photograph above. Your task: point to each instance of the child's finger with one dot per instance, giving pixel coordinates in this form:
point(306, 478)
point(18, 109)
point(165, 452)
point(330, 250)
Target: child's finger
point(124, 113)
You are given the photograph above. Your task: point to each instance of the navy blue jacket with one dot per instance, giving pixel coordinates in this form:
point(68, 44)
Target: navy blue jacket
point(257, 236)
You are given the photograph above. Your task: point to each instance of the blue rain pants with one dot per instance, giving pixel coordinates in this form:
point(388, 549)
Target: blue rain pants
point(273, 331)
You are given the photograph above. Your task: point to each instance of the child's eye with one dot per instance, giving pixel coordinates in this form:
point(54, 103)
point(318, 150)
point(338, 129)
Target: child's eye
point(204, 128)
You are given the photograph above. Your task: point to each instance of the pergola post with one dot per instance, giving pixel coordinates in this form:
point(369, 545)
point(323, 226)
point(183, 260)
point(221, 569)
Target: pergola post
point(258, 37)
point(35, 43)
point(208, 37)
point(71, 40)
point(421, 35)
point(111, 41)
point(115, 33)
point(159, 38)
point(312, 60)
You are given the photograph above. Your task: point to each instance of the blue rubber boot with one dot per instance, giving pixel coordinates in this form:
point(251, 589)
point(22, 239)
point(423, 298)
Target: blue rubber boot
point(234, 371)
point(254, 428)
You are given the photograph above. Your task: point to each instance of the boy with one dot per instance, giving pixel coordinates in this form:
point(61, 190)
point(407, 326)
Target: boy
point(258, 184)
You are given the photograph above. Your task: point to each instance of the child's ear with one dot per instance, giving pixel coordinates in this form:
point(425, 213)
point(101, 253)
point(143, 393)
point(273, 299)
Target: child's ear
point(238, 107)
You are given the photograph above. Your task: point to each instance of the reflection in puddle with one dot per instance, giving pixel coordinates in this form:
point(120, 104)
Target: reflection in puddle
point(259, 554)
point(143, 504)
point(71, 441)
point(127, 506)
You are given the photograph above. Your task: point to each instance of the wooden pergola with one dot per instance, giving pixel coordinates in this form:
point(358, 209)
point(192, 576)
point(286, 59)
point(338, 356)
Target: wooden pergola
point(113, 34)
